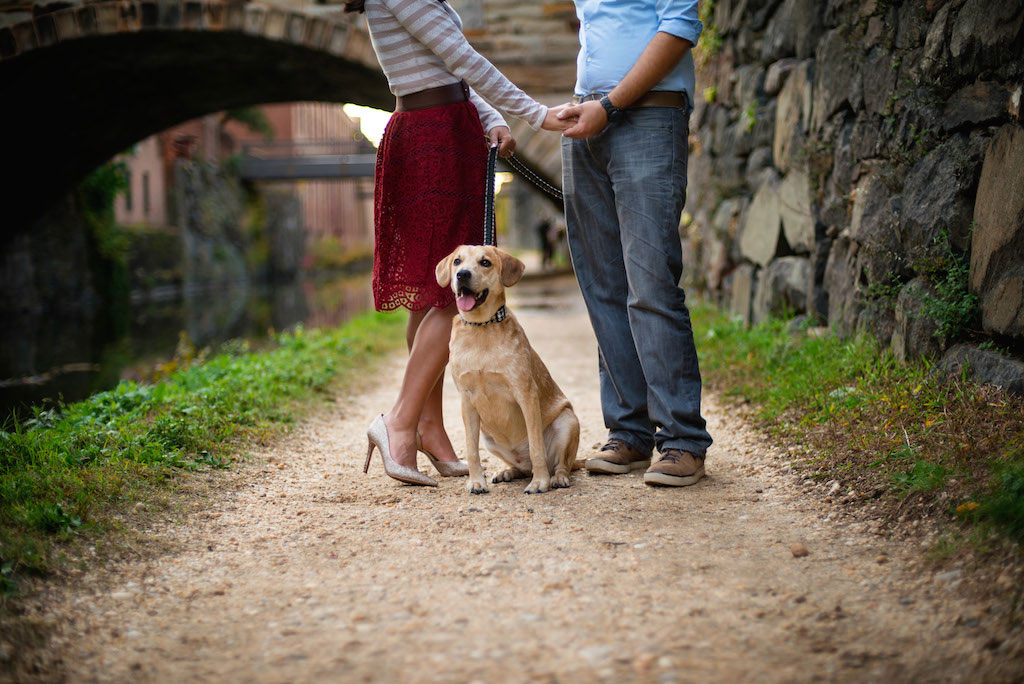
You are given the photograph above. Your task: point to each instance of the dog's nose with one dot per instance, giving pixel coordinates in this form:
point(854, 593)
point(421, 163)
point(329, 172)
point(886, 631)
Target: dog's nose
point(463, 275)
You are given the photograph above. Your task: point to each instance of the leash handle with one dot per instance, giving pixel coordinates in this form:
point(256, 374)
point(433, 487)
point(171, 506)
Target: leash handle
point(489, 221)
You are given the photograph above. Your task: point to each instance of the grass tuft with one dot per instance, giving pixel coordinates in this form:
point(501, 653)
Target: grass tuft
point(886, 429)
point(68, 471)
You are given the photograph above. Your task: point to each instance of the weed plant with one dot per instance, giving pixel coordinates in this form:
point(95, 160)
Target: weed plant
point(903, 434)
point(69, 471)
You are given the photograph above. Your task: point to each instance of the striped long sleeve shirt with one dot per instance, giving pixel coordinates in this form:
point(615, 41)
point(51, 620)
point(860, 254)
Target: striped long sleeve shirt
point(420, 45)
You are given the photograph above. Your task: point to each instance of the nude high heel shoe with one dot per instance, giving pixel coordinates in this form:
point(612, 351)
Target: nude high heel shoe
point(445, 468)
point(377, 436)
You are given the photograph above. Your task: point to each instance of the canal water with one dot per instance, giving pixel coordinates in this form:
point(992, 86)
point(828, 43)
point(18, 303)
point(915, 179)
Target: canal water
point(44, 359)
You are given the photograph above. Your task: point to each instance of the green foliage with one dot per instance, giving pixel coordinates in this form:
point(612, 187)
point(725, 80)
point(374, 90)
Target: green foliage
point(1003, 504)
point(330, 255)
point(711, 94)
point(65, 473)
point(870, 421)
point(953, 306)
point(923, 476)
point(252, 118)
point(97, 192)
point(749, 117)
point(885, 292)
point(710, 42)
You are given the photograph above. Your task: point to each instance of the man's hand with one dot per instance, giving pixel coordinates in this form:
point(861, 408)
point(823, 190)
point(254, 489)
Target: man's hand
point(592, 119)
point(501, 137)
point(554, 122)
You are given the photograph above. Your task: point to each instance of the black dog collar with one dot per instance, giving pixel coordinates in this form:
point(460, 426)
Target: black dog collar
point(498, 317)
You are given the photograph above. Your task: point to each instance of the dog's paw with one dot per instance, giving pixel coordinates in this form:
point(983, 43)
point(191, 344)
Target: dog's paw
point(537, 486)
point(560, 481)
point(506, 475)
point(477, 487)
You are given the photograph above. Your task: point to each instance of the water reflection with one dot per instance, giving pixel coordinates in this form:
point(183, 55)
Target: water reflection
point(46, 358)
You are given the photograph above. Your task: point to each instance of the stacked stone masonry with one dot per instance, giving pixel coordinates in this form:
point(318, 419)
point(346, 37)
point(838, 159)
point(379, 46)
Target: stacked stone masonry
point(847, 157)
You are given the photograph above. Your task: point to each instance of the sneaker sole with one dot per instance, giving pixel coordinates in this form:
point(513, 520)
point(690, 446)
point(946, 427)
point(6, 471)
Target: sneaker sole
point(666, 480)
point(599, 465)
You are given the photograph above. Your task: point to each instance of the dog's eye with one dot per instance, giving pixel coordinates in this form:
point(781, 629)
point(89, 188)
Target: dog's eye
point(485, 263)
point(458, 261)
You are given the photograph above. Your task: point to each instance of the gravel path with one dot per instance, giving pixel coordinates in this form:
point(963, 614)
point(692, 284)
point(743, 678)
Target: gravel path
point(301, 568)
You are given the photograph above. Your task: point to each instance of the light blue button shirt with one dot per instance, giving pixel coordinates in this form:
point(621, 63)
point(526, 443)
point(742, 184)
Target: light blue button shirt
point(613, 33)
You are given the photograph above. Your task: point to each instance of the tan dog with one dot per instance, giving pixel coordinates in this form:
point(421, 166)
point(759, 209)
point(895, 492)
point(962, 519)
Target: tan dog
point(507, 391)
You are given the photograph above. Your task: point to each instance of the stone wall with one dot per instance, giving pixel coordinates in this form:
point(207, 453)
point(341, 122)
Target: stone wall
point(862, 163)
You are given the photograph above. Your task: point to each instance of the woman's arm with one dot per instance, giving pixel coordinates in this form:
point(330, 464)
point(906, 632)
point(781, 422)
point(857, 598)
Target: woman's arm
point(431, 24)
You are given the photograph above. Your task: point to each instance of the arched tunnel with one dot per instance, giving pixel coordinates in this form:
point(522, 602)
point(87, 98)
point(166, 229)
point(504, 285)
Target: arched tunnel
point(83, 84)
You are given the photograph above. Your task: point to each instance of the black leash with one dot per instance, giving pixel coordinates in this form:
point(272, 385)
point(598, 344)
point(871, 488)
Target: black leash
point(489, 232)
point(518, 167)
point(529, 175)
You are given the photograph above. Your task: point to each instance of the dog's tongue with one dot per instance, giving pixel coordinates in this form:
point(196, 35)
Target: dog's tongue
point(465, 302)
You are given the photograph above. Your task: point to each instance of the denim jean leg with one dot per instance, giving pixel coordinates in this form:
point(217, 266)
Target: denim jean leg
point(593, 233)
point(648, 175)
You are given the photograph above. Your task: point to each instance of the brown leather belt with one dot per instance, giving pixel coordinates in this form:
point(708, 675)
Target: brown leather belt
point(653, 98)
point(432, 97)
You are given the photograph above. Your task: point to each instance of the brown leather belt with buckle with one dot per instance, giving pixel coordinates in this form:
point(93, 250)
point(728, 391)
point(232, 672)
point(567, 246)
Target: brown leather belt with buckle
point(432, 97)
point(654, 98)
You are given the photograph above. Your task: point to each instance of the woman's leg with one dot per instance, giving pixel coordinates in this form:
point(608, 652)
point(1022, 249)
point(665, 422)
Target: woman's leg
point(418, 406)
point(431, 425)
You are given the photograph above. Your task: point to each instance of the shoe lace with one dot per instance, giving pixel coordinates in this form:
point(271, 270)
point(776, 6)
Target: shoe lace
point(612, 444)
point(671, 455)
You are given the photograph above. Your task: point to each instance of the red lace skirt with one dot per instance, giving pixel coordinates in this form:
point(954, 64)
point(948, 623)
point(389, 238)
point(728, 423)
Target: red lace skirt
point(428, 199)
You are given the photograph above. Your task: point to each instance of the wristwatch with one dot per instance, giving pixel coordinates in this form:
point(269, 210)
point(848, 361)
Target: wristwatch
point(613, 112)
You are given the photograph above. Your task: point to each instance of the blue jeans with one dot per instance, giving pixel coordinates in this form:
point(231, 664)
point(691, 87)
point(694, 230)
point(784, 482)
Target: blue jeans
point(624, 193)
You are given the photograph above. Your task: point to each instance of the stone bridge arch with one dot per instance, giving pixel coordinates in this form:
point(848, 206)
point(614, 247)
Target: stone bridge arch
point(81, 84)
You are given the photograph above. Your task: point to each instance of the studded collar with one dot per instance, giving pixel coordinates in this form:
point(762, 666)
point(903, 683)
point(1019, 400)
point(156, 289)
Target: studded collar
point(498, 317)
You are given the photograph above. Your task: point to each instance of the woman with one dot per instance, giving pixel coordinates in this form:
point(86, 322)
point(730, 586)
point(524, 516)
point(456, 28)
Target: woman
point(428, 200)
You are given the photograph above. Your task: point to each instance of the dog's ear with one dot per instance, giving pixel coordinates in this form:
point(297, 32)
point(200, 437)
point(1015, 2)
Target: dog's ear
point(443, 272)
point(511, 269)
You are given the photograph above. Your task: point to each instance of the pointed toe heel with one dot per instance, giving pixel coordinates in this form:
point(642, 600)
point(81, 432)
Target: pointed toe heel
point(444, 468)
point(377, 436)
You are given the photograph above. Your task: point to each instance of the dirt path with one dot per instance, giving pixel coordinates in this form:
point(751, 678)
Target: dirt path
point(311, 571)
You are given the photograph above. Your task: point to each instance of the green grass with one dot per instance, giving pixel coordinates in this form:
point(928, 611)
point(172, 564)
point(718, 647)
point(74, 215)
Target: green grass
point(68, 472)
point(889, 430)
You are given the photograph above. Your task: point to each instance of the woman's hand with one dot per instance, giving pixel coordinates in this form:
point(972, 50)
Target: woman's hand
point(552, 122)
point(501, 137)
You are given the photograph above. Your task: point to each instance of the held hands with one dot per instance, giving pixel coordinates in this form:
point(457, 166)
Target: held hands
point(590, 119)
point(553, 121)
point(501, 137)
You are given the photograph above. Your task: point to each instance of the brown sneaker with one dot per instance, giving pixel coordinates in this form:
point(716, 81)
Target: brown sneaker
point(617, 457)
point(675, 468)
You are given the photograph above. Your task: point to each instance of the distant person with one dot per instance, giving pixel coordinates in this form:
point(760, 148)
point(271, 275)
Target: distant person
point(624, 164)
point(547, 249)
point(428, 199)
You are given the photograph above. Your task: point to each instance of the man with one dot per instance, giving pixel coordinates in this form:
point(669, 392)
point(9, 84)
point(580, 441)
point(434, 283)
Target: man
point(624, 166)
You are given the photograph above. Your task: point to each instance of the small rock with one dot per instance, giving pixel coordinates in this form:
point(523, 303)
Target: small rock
point(799, 550)
point(906, 600)
point(643, 662)
point(882, 560)
point(121, 595)
point(547, 521)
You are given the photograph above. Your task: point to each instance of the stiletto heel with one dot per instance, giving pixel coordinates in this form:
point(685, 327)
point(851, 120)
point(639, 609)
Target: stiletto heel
point(445, 468)
point(369, 453)
point(377, 435)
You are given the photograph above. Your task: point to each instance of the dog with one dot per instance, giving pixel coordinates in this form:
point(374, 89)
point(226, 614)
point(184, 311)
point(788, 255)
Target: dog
point(507, 392)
